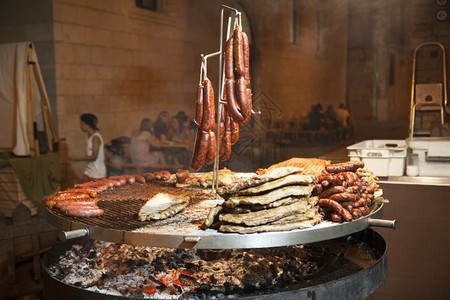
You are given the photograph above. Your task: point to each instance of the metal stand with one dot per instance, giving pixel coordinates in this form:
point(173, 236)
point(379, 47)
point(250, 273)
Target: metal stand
point(428, 97)
point(203, 74)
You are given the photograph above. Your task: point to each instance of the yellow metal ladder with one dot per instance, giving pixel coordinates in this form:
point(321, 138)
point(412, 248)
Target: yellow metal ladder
point(428, 90)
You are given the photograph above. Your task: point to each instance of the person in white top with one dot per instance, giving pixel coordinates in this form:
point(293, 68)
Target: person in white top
point(95, 154)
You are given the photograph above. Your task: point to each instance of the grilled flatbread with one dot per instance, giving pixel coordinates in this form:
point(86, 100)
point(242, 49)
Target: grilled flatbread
point(162, 206)
point(283, 181)
point(273, 227)
point(258, 180)
point(283, 201)
point(282, 192)
point(269, 215)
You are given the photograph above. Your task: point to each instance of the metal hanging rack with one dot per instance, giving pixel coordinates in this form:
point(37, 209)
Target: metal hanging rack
point(204, 72)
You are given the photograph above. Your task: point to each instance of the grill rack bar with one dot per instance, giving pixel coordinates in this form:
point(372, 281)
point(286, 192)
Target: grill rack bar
point(212, 239)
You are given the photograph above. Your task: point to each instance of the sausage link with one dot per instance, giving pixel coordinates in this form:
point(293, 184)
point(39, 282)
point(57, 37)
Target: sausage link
point(85, 212)
point(345, 166)
point(233, 108)
point(149, 176)
point(211, 154)
point(325, 184)
point(336, 218)
point(200, 150)
point(351, 178)
point(360, 211)
point(91, 192)
point(65, 205)
point(182, 176)
point(336, 207)
point(139, 178)
point(325, 177)
point(130, 179)
point(199, 106)
point(246, 58)
point(209, 110)
point(332, 190)
point(229, 67)
point(63, 196)
point(238, 52)
point(119, 179)
point(341, 197)
point(97, 185)
point(317, 189)
point(162, 175)
point(242, 99)
point(348, 205)
point(59, 202)
point(249, 107)
point(234, 132)
point(353, 189)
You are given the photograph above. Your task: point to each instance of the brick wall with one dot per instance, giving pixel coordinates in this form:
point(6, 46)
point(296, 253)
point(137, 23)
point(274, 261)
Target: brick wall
point(124, 63)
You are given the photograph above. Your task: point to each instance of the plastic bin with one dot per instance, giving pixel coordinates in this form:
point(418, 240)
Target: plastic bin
point(382, 157)
point(434, 155)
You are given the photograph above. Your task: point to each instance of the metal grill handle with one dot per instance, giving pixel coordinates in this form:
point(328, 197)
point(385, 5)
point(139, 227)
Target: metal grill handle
point(383, 223)
point(73, 234)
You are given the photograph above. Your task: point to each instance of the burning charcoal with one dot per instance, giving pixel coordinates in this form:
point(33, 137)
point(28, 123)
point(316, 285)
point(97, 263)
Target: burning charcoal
point(187, 280)
point(179, 289)
point(158, 283)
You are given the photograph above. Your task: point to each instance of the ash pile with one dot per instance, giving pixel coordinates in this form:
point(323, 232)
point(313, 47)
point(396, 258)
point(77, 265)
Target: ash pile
point(162, 273)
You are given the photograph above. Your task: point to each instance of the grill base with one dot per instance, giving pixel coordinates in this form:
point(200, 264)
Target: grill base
point(342, 281)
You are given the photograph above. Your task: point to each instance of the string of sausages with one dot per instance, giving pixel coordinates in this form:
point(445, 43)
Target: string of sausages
point(343, 196)
point(237, 110)
point(205, 114)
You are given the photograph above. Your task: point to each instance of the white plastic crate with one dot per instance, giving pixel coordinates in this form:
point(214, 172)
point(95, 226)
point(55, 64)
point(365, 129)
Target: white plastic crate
point(434, 155)
point(382, 157)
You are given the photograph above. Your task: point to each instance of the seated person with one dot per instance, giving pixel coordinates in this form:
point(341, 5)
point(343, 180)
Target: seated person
point(178, 131)
point(161, 125)
point(144, 147)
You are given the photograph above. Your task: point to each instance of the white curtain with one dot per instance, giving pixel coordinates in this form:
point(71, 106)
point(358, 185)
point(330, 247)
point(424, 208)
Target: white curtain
point(13, 97)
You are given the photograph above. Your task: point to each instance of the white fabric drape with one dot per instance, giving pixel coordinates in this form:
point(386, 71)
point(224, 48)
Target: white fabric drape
point(13, 97)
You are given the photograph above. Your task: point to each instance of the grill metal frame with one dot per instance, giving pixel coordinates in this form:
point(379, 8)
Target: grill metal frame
point(212, 239)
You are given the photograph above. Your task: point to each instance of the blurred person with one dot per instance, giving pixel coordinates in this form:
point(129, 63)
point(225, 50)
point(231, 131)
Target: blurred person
point(178, 134)
point(344, 119)
point(179, 131)
point(161, 125)
point(95, 154)
point(315, 117)
point(343, 116)
point(145, 147)
point(330, 117)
